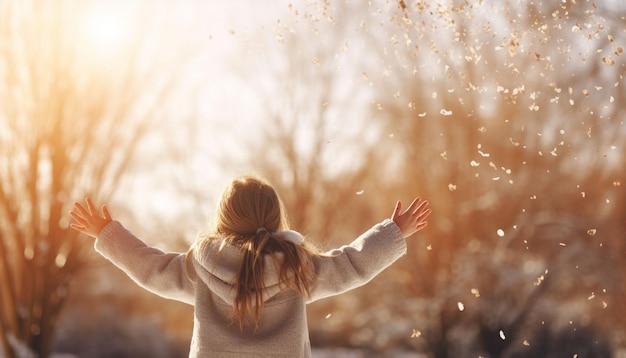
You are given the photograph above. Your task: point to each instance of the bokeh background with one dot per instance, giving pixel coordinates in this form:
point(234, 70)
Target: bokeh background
point(507, 115)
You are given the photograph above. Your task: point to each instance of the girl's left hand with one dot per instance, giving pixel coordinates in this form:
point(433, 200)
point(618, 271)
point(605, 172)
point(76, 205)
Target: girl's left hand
point(413, 219)
point(88, 220)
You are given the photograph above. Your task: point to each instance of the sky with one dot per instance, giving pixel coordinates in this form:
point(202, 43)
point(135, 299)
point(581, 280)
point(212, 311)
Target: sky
point(230, 40)
point(226, 36)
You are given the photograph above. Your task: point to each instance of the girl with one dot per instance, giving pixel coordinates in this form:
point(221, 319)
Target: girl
point(250, 279)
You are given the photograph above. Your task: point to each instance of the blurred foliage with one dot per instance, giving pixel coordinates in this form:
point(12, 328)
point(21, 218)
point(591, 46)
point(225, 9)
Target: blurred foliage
point(71, 124)
point(107, 315)
point(507, 116)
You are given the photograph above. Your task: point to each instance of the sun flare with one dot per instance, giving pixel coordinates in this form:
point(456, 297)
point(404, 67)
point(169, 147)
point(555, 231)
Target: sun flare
point(105, 29)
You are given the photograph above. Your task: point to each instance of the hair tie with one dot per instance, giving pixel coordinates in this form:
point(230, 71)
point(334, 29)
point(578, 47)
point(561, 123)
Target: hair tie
point(260, 230)
point(289, 235)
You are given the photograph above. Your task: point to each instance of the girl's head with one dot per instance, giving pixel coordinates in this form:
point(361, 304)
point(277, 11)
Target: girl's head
point(247, 204)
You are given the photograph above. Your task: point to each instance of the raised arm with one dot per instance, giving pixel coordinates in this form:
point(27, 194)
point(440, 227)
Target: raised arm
point(354, 265)
point(161, 273)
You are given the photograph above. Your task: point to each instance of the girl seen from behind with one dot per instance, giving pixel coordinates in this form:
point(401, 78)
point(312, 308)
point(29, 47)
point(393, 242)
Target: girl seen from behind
point(251, 278)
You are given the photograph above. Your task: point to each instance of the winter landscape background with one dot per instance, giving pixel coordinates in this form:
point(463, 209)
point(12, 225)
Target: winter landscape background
point(507, 115)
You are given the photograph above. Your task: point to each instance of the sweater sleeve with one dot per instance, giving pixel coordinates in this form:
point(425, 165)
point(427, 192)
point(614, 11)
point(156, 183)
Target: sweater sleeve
point(164, 274)
point(354, 265)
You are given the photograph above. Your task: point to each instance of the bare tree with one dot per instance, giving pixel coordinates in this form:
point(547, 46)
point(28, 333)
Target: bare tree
point(71, 122)
point(308, 138)
point(501, 115)
point(513, 115)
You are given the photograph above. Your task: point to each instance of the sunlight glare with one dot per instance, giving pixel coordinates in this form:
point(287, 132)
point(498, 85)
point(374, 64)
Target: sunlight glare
point(104, 29)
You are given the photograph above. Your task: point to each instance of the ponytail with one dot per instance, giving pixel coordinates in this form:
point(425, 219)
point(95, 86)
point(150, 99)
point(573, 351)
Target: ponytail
point(296, 273)
point(250, 284)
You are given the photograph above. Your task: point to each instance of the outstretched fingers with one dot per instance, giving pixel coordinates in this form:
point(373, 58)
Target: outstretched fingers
point(396, 210)
point(422, 211)
point(420, 215)
point(413, 218)
point(416, 204)
point(79, 218)
point(91, 207)
point(78, 227)
point(87, 219)
point(105, 212)
point(79, 209)
point(419, 209)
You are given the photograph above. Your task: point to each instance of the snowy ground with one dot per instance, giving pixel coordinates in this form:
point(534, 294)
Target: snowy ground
point(23, 352)
point(327, 353)
point(317, 353)
point(355, 353)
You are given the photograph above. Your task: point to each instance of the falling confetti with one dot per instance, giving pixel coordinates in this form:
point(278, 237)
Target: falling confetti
point(509, 69)
point(539, 280)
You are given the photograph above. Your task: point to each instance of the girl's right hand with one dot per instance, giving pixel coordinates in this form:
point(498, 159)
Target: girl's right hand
point(88, 220)
point(413, 219)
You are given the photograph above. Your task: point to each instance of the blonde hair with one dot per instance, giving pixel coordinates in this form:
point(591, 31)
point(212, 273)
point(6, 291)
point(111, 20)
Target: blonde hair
point(249, 212)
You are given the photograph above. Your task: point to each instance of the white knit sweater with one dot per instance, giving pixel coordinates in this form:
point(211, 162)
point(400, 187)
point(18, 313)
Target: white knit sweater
point(282, 330)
